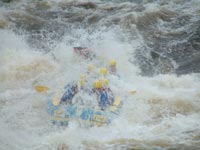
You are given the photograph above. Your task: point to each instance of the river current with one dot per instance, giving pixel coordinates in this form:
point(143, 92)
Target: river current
point(156, 44)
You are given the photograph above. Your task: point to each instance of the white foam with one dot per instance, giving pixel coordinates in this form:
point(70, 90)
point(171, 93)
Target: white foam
point(164, 106)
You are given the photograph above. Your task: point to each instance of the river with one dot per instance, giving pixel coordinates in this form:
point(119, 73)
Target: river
point(156, 44)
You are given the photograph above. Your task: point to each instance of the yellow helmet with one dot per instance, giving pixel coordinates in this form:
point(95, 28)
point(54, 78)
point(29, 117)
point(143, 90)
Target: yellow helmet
point(112, 62)
point(56, 100)
point(104, 81)
point(103, 71)
point(90, 67)
point(97, 84)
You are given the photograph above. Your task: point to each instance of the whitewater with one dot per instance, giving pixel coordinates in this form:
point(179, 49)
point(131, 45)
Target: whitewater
point(156, 46)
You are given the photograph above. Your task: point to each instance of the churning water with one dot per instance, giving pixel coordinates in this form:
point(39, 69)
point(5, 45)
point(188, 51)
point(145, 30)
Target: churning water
point(157, 47)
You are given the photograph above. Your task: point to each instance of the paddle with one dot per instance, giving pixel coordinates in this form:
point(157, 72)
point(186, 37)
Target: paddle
point(132, 92)
point(41, 88)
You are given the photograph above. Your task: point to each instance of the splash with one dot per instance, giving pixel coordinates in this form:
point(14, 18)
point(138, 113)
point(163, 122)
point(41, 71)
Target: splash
point(36, 48)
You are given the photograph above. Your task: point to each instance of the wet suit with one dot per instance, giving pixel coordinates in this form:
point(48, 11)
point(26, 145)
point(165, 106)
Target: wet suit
point(105, 97)
point(71, 91)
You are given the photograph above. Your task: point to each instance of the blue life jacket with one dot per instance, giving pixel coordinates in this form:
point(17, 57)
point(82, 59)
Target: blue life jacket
point(103, 99)
point(69, 94)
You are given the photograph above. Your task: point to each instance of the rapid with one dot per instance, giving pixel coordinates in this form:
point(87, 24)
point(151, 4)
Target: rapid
point(156, 44)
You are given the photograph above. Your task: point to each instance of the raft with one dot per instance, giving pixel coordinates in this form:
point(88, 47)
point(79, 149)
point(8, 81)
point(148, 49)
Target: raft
point(62, 114)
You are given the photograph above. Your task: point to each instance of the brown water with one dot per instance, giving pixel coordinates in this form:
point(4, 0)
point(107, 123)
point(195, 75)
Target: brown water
point(156, 45)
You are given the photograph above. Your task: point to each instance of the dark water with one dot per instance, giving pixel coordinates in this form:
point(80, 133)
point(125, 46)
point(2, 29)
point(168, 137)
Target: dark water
point(169, 31)
point(156, 44)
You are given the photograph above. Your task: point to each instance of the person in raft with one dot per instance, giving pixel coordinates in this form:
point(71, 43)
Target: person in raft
point(105, 96)
point(71, 91)
point(112, 67)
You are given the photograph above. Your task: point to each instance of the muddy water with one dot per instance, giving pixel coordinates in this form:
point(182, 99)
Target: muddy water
point(156, 45)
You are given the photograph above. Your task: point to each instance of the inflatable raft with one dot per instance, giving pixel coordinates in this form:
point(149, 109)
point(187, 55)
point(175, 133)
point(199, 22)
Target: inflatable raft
point(62, 114)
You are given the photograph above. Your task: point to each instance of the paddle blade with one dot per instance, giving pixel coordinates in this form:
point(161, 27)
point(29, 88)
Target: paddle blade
point(56, 101)
point(40, 88)
point(132, 92)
